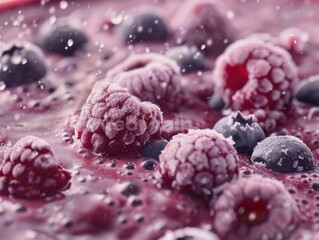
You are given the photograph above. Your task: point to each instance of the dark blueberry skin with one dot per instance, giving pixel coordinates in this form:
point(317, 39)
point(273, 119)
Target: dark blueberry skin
point(216, 102)
point(61, 38)
point(285, 154)
point(308, 91)
point(188, 58)
point(142, 27)
point(154, 149)
point(244, 132)
point(21, 63)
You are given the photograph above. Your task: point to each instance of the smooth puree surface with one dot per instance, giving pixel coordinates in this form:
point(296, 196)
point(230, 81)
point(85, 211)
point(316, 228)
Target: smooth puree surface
point(48, 109)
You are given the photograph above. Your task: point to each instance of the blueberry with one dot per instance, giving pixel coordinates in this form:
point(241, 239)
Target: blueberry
point(142, 27)
point(154, 149)
point(61, 38)
point(188, 58)
point(21, 63)
point(216, 102)
point(189, 233)
point(308, 91)
point(286, 154)
point(244, 132)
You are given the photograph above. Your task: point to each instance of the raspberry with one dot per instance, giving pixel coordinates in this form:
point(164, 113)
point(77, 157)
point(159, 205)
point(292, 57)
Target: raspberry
point(253, 74)
point(202, 161)
point(267, 119)
point(254, 209)
point(29, 170)
point(202, 25)
point(112, 120)
point(150, 77)
point(188, 234)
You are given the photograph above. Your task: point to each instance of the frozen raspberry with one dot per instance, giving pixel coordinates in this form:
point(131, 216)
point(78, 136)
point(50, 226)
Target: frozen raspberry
point(294, 40)
point(269, 120)
point(150, 77)
point(202, 161)
point(199, 23)
point(256, 208)
point(29, 170)
point(253, 74)
point(189, 233)
point(113, 121)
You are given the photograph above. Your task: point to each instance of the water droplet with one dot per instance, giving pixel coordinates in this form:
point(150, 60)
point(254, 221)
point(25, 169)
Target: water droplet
point(64, 5)
point(70, 43)
point(116, 18)
point(2, 86)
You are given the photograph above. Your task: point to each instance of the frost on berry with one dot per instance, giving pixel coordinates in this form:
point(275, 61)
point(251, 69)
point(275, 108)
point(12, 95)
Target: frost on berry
point(30, 170)
point(201, 24)
point(150, 77)
point(256, 208)
point(253, 74)
point(113, 121)
point(202, 161)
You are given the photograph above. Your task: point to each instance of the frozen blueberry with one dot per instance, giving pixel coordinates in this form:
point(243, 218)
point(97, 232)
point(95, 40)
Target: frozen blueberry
point(188, 58)
point(154, 149)
point(286, 154)
point(244, 132)
point(308, 91)
point(61, 38)
point(142, 27)
point(216, 102)
point(21, 63)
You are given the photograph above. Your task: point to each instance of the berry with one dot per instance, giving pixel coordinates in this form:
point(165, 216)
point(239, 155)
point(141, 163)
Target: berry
point(269, 120)
point(143, 26)
point(189, 233)
point(286, 154)
point(254, 209)
point(253, 74)
point(200, 24)
point(154, 149)
point(243, 131)
point(202, 161)
point(216, 102)
point(294, 40)
point(29, 170)
point(61, 38)
point(21, 63)
point(188, 58)
point(150, 77)
point(308, 91)
point(113, 121)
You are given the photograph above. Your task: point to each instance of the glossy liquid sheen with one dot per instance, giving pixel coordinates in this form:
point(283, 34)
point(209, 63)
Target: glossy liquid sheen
point(47, 109)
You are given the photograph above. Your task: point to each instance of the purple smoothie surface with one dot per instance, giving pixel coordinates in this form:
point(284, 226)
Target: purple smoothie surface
point(117, 197)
